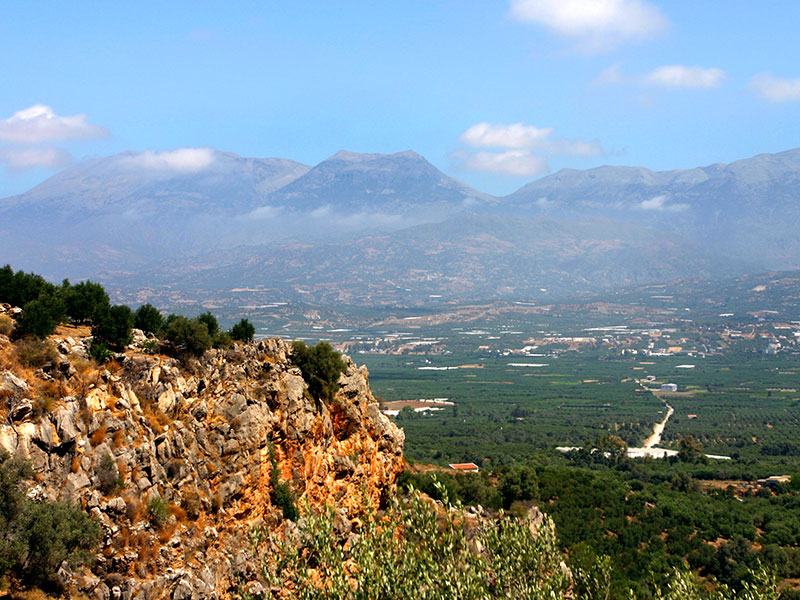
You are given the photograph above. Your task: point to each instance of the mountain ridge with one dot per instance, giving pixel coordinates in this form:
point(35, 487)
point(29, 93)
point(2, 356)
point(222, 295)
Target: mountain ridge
point(148, 213)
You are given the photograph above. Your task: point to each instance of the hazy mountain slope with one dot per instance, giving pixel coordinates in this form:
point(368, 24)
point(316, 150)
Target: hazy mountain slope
point(749, 208)
point(463, 258)
point(128, 210)
point(381, 223)
point(198, 180)
point(387, 183)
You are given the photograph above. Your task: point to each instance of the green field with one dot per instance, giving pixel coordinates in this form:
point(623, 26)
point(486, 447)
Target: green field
point(745, 405)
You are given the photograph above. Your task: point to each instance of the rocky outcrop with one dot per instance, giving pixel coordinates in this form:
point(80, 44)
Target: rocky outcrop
point(202, 436)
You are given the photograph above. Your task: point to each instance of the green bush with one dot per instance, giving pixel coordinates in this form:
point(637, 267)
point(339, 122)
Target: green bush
point(418, 550)
point(13, 505)
point(210, 321)
point(84, 301)
point(321, 367)
point(41, 316)
point(148, 318)
point(157, 512)
point(223, 340)
point(36, 537)
point(243, 331)
point(100, 352)
point(20, 288)
point(57, 531)
point(189, 335)
point(113, 326)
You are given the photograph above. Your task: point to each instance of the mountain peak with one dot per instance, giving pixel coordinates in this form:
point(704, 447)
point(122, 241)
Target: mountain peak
point(347, 155)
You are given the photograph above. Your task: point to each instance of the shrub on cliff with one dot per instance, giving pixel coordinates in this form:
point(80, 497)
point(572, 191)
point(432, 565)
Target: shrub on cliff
point(41, 316)
point(281, 494)
point(211, 323)
point(321, 367)
point(243, 331)
point(36, 353)
point(108, 475)
point(189, 335)
point(113, 326)
point(148, 319)
point(20, 288)
point(84, 301)
point(36, 537)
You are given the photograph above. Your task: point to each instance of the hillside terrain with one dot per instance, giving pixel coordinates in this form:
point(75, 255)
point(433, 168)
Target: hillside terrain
point(175, 459)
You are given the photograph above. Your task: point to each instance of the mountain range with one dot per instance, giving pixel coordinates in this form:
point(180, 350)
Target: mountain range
point(378, 228)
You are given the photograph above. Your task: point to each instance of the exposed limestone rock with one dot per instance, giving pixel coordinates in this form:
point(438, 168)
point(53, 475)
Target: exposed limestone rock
point(199, 437)
point(12, 384)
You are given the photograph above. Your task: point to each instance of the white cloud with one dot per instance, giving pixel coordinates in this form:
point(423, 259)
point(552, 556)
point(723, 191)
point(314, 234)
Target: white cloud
point(686, 77)
point(39, 123)
point(775, 89)
point(516, 135)
point(523, 149)
point(512, 162)
point(263, 213)
point(659, 204)
point(183, 160)
point(23, 159)
point(597, 24)
point(520, 136)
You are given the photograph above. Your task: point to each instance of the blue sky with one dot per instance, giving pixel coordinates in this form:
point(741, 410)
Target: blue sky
point(494, 93)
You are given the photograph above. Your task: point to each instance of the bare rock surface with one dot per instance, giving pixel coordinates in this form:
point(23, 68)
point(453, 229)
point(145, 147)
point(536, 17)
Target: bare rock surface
point(202, 435)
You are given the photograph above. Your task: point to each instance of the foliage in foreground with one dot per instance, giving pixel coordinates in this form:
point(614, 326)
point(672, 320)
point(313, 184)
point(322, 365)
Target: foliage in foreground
point(418, 550)
point(37, 537)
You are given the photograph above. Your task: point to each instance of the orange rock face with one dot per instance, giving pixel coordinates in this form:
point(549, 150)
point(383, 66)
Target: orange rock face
point(203, 435)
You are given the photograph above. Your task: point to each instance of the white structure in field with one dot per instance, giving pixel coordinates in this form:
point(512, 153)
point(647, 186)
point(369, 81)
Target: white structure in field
point(669, 387)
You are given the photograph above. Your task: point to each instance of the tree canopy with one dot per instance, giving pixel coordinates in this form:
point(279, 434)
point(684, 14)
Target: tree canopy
point(321, 367)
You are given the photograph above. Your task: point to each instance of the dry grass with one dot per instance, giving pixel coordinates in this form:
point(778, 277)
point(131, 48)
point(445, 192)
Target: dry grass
point(157, 420)
point(34, 594)
point(179, 513)
point(122, 471)
point(6, 325)
point(53, 388)
point(118, 438)
point(146, 548)
point(76, 332)
point(133, 509)
point(35, 353)
point(166, 532)
point(81, 364)
point(98, 436)
point(123, 539)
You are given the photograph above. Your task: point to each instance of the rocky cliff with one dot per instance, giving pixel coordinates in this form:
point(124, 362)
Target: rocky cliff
point(175, 458)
